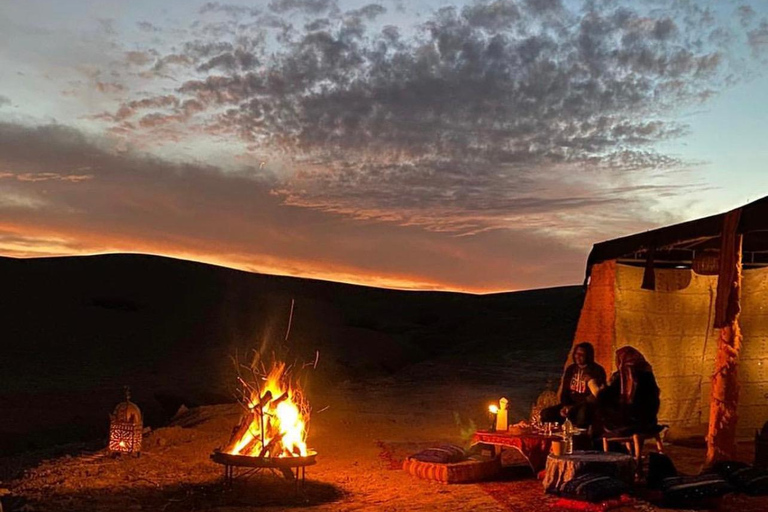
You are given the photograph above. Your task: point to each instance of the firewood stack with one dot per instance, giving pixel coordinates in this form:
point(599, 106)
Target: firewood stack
point(258, 416)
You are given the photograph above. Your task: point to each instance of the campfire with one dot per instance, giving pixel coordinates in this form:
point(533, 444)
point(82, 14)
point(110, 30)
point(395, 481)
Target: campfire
point(272, 433)
point(276, 418)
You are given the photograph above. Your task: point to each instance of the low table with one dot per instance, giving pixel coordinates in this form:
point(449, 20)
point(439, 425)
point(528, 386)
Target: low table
point(563, 468)
point(533, 446)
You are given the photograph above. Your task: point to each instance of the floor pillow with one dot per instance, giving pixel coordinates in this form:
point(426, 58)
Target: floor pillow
point(443, 454)
point(679, 490)
point(726, 467)
point(750, 480)
point(593, 487)
point(474, 469)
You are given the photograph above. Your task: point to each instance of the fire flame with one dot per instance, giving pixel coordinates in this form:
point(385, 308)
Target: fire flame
point(281, 411)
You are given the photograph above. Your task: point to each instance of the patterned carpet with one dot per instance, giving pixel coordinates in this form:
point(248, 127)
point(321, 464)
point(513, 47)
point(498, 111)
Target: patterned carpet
point(517, 490)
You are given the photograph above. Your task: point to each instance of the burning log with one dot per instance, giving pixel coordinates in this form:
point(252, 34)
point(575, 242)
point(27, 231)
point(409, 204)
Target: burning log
point(274, 442)
point(279, 399)
point(263, 400)
point(275, 421)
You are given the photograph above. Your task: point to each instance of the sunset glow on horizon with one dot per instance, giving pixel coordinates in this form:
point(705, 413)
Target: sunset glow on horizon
point(456, 145)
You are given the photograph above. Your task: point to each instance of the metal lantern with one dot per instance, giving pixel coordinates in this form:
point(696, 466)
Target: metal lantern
point(125, 427)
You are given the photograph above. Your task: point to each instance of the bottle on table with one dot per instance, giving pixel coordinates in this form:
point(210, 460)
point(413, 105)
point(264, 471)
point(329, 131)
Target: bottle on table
point(567, 437)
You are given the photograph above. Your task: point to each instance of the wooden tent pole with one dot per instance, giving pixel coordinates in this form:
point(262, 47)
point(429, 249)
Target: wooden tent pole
point(724, 400)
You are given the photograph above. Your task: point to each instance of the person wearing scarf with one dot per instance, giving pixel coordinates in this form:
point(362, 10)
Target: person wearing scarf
point(630, 402)
point(578, 389)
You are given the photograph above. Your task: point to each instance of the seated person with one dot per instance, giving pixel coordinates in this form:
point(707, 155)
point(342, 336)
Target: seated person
point(630, 402)
point(578, 389)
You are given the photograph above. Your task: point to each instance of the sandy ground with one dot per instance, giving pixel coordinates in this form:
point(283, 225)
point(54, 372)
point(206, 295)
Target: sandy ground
point(361, 439)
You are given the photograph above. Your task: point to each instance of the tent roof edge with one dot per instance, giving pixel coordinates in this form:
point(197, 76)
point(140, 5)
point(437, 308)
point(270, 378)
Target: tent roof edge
point(754, 217)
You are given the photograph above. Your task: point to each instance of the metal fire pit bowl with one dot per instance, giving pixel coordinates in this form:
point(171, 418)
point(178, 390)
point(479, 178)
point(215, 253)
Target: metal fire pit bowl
point(292, 468)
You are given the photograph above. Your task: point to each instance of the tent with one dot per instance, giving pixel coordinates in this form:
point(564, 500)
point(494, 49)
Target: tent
point(693, 298)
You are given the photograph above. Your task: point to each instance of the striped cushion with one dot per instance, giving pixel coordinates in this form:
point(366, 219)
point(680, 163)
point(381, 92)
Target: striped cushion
point(744, 477)
point(594, 487)
point(750, 480)
point(473, 469)
point(678, 489)
point(444, 453)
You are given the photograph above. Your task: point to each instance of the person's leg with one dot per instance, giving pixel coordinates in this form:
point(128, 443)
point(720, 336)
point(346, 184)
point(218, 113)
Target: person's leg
point(551, 414)
point(581, 415)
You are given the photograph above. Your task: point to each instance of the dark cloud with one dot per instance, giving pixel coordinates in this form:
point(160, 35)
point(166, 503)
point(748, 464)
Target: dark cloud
point(747, 15)
point(544, 6)
point(758, 39)
point(451, 123)
point(131, 202)
point(4, 100)
point(497, 15)
point(107, 25)
point(369, 12)
point(308, 6)
point(146, 26)
point(236, 11)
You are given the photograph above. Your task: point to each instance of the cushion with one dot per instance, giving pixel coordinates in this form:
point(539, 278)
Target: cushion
point(474, 469)
point(594, 487)
point(750, 480)
point(744, 477)
point(727, 467)
point(660, 467)
point(443, 454)
point(684, 489)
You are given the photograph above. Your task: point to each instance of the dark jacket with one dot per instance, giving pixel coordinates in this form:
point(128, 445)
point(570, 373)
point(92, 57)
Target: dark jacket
point(574, 388)
point(641, 412)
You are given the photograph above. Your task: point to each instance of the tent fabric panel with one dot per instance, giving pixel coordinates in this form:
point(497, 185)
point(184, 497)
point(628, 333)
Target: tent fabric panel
point(597, 319)
point(685, 411)
point(671, 326)
point(753, 367)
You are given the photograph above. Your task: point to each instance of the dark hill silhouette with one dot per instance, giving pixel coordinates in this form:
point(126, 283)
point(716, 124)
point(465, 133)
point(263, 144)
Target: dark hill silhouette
point(76, 329)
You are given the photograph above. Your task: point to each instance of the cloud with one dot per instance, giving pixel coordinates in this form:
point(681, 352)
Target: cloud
point(147, 26)
point(138, 58)
point(758, 39)
point(34, 177)
point(746, 15)
point(4, 100)
point(369, 12)
point(447, 123)
point(235, 11)
point(109, 87)
point(308, 6)
point(132, 202)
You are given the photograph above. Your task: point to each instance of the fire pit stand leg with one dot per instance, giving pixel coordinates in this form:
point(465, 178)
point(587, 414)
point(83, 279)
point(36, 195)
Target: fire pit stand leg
point(299, 477)
point(229, 472)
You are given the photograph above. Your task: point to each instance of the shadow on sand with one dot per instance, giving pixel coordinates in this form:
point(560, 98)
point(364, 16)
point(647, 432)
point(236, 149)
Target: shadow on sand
point(260, 491)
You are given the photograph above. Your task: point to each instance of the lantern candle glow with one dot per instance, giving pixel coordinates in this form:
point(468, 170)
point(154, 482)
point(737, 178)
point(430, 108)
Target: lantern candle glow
point(125, 427)
point(493, 409)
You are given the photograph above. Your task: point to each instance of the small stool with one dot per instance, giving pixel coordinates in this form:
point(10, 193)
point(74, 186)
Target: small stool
point(634, 443)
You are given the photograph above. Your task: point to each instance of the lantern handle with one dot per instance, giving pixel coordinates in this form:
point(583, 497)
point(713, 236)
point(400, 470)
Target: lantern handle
point(127, 393)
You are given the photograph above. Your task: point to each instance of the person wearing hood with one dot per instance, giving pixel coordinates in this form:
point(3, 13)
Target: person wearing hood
point(579, 387)
point(630, 403)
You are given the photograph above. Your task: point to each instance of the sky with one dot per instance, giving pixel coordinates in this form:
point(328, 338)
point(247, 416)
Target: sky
point(476, 146)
